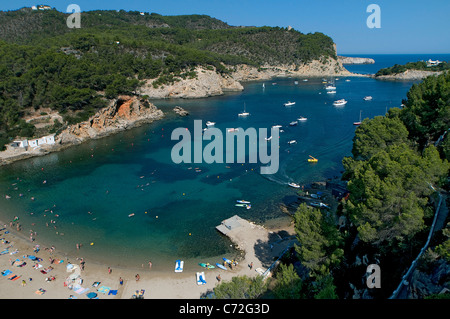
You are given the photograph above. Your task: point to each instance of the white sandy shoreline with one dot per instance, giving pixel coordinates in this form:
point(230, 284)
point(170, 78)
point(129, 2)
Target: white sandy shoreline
point(156, 284)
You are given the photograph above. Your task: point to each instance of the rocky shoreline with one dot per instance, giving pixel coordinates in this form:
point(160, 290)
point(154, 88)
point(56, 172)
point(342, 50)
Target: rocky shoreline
point(408, 75)
point(121, 114)
point(126, 112)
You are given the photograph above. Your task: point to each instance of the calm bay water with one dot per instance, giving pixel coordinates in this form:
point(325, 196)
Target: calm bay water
point(91, 189)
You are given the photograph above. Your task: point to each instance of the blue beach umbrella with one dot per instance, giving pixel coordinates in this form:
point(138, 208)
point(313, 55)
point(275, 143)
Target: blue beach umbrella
point(91, 295)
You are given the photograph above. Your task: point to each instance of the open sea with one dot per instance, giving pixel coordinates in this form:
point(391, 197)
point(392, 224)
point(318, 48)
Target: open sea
point(86, 193)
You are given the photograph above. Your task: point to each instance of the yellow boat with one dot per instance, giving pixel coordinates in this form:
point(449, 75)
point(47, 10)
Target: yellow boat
point(312, 159)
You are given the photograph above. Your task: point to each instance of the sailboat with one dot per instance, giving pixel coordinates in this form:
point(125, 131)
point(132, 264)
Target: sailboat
point(243, 114)
point(358, 123)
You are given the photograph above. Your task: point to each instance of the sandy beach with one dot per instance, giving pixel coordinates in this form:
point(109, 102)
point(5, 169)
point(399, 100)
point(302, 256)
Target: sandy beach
point(24, 273)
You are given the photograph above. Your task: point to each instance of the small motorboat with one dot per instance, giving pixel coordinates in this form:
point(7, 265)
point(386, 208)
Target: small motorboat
point(289, 103)
point(302, 119)
point(293, 123)
point(367, 98)
point(277, 126)
point(340, 102)
point(292, 142)
point(241, 201)
point(248, 206)
point(231, 130)
point(209, 123)
point(330, 87)
point(331, 92)
point(268, 138)
point(294, 185)
point(312, 159)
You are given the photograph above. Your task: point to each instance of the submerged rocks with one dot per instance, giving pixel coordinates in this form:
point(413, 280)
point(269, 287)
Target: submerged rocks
point(180, 111)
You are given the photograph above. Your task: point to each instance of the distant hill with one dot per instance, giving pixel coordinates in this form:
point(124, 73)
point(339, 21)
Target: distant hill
point(45, 64)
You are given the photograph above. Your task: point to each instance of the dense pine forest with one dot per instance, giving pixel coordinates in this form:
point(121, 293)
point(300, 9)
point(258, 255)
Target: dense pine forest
point(45, 64)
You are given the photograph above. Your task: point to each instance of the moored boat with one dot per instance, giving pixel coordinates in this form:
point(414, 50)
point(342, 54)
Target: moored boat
point(312, 159)
point(289, 103)
point(340, 102)
point(294, 185)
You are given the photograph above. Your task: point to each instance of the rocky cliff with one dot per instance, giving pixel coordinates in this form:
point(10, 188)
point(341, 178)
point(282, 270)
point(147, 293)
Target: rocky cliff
point(210, 83)
point(122, 113)
point(207, 83)
point(355, 60)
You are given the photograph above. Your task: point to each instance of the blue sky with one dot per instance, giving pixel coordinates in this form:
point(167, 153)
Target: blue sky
point(406, 26)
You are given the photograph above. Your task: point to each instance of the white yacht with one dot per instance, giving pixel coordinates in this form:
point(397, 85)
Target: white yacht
point(289, 103)
point(367, 98)
point(302, 119)
point(340, 102)
point(209, 123)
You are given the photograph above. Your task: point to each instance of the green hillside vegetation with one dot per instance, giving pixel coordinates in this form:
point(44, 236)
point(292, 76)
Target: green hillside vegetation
point(419, 65)
point(43, 63)
point(389, 209)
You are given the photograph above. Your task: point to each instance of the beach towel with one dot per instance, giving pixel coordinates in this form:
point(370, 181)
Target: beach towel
point(4, 252)
point(96, 284)
point(112, 292)
point(40, 291)
point(104, 289)
point(81, 290)
point(6, 272)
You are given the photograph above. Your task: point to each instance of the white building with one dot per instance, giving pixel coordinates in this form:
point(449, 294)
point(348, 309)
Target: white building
point(433, 63)
point(46, 140)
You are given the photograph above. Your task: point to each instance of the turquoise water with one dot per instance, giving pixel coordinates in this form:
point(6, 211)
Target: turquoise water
point(91, 189)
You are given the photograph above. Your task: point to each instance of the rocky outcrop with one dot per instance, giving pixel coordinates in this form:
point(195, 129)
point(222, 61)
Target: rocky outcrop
point(122, 113)
point(431, 282)
point(180, 111)
point(207, 83)
point(408, 75)
point(355, 60)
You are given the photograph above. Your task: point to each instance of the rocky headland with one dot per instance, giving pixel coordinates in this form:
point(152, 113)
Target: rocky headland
point(355, 60)
point(122, 113)
point(408, 75)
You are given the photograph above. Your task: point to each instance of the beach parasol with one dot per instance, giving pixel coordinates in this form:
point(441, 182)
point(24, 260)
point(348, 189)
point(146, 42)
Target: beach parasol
point(91, 295)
